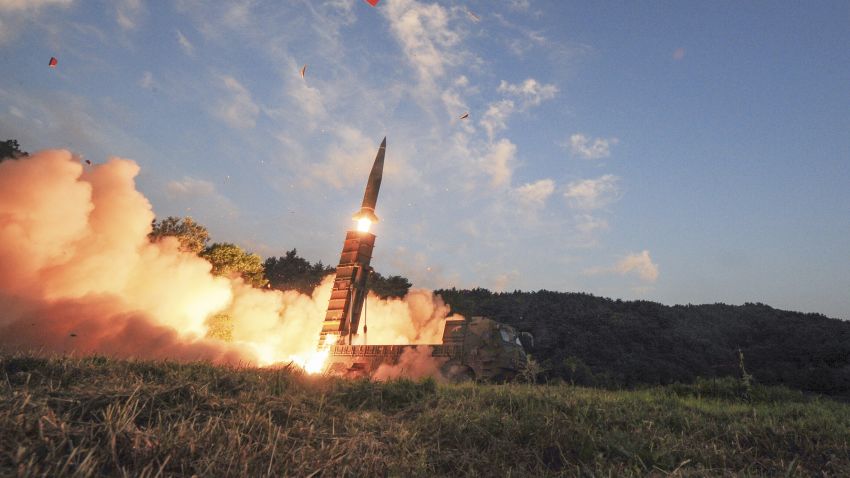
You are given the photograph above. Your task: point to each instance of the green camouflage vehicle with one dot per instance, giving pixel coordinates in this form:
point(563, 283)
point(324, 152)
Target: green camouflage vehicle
point(474, 349)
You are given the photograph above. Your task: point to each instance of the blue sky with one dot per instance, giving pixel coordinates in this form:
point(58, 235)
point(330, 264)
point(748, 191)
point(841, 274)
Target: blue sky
point(680, 152)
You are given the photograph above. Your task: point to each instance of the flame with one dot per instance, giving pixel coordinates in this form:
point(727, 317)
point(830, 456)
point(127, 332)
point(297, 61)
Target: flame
point(314, 362)
point(363, 224)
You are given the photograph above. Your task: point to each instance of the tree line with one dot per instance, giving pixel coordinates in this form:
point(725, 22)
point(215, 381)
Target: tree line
point(595, 341)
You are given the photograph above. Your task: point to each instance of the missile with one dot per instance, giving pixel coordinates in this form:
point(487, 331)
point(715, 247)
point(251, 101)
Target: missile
point(373, 185)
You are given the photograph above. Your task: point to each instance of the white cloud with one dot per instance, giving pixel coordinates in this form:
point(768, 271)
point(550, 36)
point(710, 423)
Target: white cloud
point(593, 193)
point(16, 112)
point(591, 148)
point(185, 44)
point(200, 195)
point(530, 91)
point(587, 224)
point(19, 5)
point(190, 187)
point(498, 163)
point(534, 195)
point(521, 5)
point(126, 12)
point(496, 117)
point(347, 160)
point(239, 111)
point(500, 282)
point(639, 263)
point(424, 34)
point(309, 99)
point(17, 15)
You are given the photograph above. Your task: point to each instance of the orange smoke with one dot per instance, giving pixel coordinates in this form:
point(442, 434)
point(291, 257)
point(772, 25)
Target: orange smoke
point(418, 319)
point(79, 275)
point(415, 362)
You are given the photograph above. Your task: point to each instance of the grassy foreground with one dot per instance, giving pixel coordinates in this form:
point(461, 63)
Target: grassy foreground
point(96, 416)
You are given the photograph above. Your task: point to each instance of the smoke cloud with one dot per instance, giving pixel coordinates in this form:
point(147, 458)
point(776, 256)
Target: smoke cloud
point(418, 319)
point(79, 275)
point(415, 362)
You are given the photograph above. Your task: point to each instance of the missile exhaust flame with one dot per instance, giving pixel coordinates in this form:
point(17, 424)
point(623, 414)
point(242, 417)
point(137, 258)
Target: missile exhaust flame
point(363, 224)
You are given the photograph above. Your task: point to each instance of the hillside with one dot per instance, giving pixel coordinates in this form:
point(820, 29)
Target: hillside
point(98, 417)
point(590, 340)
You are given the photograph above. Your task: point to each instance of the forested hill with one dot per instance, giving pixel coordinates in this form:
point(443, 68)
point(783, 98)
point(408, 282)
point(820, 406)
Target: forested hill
point(592, 340)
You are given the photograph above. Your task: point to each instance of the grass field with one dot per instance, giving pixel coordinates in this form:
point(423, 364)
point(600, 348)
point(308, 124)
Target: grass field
point(101, 417)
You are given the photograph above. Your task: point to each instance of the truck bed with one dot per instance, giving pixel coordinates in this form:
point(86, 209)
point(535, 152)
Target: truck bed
point(439, 350)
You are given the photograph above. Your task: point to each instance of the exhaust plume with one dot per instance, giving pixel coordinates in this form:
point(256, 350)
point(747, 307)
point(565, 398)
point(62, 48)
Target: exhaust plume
point(79, 275)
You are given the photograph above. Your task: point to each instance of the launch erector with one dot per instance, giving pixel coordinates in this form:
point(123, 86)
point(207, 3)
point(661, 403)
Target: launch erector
point(478, 348)
point(349, 290)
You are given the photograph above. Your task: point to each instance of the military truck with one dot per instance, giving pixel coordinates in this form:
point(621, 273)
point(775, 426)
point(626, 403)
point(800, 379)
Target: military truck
point(474, 349)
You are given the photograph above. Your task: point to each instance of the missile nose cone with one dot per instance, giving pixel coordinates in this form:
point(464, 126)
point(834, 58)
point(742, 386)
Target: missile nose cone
point(373, 185)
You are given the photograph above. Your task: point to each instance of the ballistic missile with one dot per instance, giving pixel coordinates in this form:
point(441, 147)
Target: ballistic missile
point(373, 185)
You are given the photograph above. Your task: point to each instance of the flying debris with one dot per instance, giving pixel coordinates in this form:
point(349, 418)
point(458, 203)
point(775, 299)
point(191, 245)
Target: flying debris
point(473, 16)
point(88, 161)
point(373, 2)
point(464, 116)
point(303, 70)
point(53, 62)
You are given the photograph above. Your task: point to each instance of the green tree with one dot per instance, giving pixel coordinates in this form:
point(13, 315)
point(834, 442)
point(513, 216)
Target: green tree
point(193, 237)
point(388, 287)
point(10, 149)
point(291, 272)
point(231, 261)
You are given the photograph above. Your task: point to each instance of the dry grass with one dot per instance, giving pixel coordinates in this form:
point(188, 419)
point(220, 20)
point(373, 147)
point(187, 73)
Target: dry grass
point(100, 417)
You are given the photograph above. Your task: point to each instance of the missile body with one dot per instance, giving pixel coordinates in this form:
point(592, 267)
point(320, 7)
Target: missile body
point(373, 186)
point(348, 295)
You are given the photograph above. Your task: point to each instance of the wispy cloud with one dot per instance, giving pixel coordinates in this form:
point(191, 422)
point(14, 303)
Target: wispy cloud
point(185, 44)
point(496, 116)
point(638, 263)
point(16, 14)
point(127, 12)
point(591, 148)
point(347, 159)
point(190, 187)
point(534, 195)
point(588, 225)
point(499, 162)
point(530, 91)
point(239, 110)
point(424, 33)
point(200, 194)
point(593, 193)
point(521, 5)
point(19, 5)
